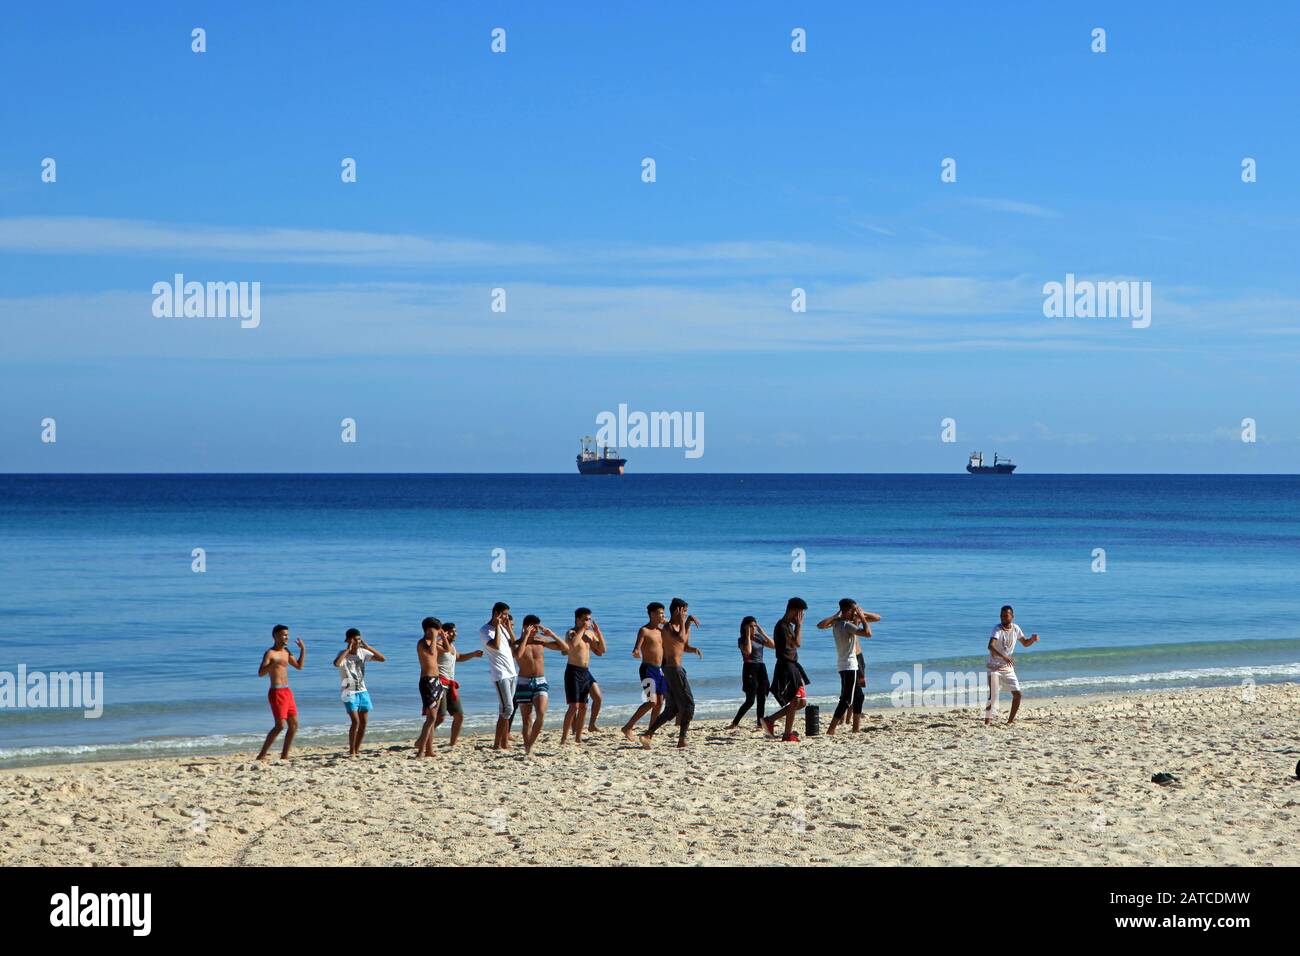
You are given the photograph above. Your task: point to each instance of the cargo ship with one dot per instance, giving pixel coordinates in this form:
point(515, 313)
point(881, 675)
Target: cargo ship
point(1000, 466)
point(603, 462)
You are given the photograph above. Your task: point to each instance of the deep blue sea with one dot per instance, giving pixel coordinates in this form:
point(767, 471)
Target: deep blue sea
point(1200, 586)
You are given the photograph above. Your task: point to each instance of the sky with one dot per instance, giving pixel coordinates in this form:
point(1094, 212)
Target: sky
point(774, 170)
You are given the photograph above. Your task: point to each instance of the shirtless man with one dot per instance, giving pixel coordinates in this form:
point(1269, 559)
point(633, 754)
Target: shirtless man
point(681, 703)
point(532, 692)
point(427, 649)
point(584, 639)
point(275, 664)
point(649, 647)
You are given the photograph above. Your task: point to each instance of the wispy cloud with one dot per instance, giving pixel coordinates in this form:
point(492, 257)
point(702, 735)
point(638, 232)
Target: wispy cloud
point(1012, 206)
point(456, 257)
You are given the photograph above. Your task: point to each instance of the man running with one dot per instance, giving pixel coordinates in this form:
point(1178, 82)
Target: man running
point(848, 624)
point(789, 679)
point(427, 649)
point(1002, 644)
point(351, 663)
point(583, 640)
point(533, 692)
point(275, 664)
point(681, 703)
point(649, 647)
point(498, 636)
point(448, 658)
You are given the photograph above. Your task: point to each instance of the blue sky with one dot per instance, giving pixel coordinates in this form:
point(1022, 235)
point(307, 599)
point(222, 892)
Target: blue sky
point(523, 171)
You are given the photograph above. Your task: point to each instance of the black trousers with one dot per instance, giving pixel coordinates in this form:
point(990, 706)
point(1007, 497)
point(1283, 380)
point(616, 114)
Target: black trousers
point(680, 703)
point(753, 681)
point(850, 695)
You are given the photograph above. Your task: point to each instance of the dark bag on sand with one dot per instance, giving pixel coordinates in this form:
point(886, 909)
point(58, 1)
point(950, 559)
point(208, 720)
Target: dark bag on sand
point(812, 720)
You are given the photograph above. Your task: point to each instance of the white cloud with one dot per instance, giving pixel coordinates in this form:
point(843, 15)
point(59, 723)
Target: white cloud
point(1012, 206)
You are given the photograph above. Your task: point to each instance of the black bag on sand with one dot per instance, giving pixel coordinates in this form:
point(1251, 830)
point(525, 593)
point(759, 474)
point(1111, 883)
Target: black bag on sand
point(812, 720)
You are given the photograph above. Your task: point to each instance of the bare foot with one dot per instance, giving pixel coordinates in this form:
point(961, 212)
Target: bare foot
point(627, 732)
point(681, 744)
point(645, 741)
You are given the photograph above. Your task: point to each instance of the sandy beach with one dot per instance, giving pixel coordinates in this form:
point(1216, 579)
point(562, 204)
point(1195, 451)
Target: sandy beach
point(1069, 783)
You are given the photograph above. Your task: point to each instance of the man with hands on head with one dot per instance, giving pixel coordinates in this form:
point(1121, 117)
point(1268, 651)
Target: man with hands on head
point(847, 625)
point(649, 648)
point(428, 649)
point(503, 667)
point(582, 640)
point(448, 658)
point(676, 643)
point(351, 664)
point(533, 692)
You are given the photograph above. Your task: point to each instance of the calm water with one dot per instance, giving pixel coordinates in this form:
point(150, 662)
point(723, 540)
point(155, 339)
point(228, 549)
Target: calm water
point(1200, 586)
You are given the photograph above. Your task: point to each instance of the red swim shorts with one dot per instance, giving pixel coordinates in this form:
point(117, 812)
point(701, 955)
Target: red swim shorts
point(282, 703)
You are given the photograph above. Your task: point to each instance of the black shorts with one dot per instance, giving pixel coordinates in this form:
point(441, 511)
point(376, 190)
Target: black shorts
point(430, 693)
point(577, 684)
point(787, 677)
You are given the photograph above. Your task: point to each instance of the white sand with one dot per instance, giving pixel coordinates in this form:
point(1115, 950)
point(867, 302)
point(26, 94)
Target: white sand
point(1069, 783)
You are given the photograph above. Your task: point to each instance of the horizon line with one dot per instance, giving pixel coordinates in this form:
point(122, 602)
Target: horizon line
point(646, 474)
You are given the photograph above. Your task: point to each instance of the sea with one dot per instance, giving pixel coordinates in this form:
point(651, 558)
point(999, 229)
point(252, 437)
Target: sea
point(167, 586)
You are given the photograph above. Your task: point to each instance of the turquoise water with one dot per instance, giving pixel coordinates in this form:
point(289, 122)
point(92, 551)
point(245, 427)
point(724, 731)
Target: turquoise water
point(1199, 588)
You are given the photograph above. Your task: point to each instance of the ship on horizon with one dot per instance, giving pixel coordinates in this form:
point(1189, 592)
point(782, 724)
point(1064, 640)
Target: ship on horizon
point(593, 462)
point(1000, 466)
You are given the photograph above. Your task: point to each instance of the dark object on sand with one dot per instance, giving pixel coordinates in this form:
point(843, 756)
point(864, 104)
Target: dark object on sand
point(1297, 770)
point(812, 725)
point(1163, 778)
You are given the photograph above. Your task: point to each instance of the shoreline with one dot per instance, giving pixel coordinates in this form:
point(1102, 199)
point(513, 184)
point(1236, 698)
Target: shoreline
point(1069, 783)
point(482, 724)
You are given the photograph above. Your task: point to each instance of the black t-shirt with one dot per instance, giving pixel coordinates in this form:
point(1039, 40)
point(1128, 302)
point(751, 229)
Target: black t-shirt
point(783, 637)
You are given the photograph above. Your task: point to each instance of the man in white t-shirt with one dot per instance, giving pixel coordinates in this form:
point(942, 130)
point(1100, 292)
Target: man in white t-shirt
point(351, 662)
point(847, 625)
point(1002, 644)
point(503, 667)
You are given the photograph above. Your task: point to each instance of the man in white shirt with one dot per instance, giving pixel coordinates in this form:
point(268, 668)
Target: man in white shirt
point(847, 625)
point(1002, 644)
point(351, 662)
point(503, 667)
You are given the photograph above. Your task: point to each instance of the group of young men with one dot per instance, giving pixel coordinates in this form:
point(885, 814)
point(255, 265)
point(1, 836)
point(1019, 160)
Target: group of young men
point(517, 669)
